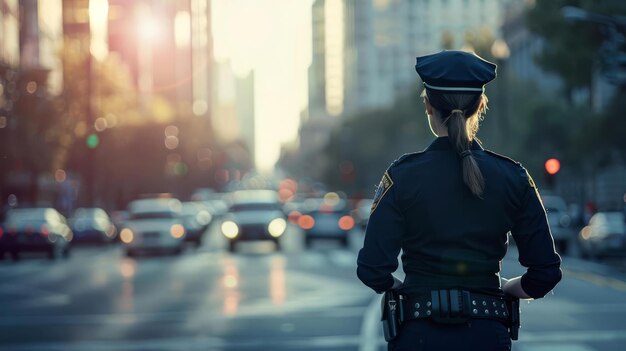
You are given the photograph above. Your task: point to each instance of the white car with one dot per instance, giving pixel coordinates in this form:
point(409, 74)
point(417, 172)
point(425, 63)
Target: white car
point(604, 236)
point(153, 225)
point(254, 215)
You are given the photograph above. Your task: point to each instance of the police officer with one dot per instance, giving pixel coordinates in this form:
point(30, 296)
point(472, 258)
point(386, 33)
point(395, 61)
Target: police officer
point(449, 208)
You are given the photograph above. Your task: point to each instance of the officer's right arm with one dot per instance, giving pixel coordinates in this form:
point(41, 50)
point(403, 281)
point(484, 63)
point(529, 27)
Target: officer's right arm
point(535, 244)
point(378, 258)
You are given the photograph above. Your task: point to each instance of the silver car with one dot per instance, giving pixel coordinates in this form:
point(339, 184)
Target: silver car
point(154, 225)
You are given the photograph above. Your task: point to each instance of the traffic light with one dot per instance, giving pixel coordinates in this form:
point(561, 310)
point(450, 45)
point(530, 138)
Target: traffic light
point(552, 167)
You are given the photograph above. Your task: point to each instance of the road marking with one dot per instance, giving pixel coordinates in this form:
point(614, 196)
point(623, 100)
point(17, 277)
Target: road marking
point(370, 333)
point(596, 279)
point(573, 336)
point(559, 347)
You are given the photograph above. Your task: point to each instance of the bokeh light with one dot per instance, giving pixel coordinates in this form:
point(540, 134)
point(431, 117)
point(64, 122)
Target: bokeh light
point(101, 124)
point(331, 199)
point(92, 141)
point(553, 166)
point(12, 200)
point(171, 142)
point(171, 131)
point(80, 130)
point(60, 175)
point(31, 87)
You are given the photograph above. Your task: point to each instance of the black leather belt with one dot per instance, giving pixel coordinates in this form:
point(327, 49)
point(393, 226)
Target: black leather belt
point(453, 306)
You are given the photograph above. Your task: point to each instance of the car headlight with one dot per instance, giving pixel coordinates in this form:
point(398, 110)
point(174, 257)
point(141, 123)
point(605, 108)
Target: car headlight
point(230, 229)
point(127, 236)
point(177, 231)
point(277, 227)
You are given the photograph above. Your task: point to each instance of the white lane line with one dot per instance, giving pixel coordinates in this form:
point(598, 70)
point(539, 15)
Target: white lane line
point(370, 333)
point(559, 347)
point(573, 336)
point(102, 320)
point(192, 344)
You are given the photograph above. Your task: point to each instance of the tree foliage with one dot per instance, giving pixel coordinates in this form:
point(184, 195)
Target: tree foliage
point(571, 48)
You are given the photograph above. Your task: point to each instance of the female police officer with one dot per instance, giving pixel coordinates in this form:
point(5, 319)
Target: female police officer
point(449, 208)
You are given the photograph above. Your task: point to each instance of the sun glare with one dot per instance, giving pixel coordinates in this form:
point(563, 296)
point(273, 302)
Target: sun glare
point(148, 28)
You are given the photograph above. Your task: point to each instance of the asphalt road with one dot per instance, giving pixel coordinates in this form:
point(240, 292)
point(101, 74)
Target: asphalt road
point(259, 299)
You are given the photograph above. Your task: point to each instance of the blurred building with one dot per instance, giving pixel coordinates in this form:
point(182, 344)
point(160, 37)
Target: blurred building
point(30, 72)
point(225, 121)
point(168, 47)
point(244, 91)
point(523, 48)
point(9, 65)
point(233, 108)
point(364, 51)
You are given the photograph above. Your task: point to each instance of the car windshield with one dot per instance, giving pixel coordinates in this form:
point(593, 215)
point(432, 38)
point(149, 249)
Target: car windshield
point(153, 215)
point(255, 207)
point(19, 216)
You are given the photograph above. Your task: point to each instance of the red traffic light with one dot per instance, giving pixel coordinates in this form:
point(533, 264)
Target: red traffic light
point(553, 166)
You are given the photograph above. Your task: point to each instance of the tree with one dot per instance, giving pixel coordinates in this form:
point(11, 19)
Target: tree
point(571, 48)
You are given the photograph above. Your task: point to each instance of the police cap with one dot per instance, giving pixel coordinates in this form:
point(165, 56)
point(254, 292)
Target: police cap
point(452, 71)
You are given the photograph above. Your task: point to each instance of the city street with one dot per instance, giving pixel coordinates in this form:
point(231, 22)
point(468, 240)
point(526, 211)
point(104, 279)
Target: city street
point(258, 299)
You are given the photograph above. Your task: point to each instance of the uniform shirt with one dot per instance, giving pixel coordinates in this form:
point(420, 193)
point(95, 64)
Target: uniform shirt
point(449, 237)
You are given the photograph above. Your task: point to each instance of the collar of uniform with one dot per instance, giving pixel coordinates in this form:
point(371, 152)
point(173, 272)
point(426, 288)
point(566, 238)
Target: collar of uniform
point(443, 143)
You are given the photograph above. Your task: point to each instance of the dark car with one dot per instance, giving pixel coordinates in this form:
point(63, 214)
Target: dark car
point(92, 225)
point(325, 219)
point(254, 215)
point(604, 236)
point(35, 230)
point(196, 219)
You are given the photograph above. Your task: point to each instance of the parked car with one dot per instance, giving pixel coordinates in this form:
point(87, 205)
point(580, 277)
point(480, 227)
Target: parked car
point(559, 221)
point(254, 215)
point(324, 220)
point(92, 225)
point(196, 219)
point(605, 235)
point(35, 230)
point(154, 225)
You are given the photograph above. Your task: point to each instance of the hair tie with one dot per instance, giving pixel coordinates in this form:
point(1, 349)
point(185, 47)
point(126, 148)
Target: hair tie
point(459, 111)
point(466, 153)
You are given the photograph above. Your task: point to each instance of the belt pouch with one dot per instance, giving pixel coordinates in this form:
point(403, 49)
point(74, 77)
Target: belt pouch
point(512, 304)
point(390, 314)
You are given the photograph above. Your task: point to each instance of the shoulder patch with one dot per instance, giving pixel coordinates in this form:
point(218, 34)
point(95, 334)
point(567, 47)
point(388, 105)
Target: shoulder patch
point(407, 157)
point(385, 184)
point(502, 157)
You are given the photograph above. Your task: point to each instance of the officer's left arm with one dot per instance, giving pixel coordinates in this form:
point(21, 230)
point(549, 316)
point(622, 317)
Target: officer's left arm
point(378, 258)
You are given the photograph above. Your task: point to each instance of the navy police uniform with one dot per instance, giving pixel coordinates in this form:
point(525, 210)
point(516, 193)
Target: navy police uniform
point(451, 239)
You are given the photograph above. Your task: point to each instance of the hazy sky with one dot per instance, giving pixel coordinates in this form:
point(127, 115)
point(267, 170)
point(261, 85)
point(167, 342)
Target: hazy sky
point(272, 37)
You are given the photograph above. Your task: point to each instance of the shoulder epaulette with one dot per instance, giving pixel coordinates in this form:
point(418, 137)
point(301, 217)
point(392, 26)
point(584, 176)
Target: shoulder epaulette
point(406, 157)
point(502, 157)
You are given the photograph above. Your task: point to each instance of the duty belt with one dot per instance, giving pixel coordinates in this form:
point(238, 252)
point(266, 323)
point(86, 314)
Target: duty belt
point(453, 306)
